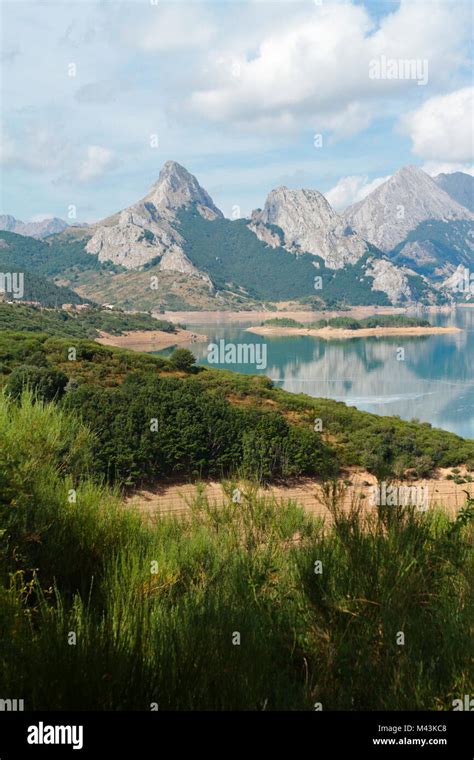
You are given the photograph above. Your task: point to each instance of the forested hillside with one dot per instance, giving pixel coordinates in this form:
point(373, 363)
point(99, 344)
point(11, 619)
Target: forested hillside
point(236, 259)
point(211, 422)
point(82, 324)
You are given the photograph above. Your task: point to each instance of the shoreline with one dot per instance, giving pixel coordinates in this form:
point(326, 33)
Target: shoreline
point(150, 340)
point(293, 311)
point(328, 333)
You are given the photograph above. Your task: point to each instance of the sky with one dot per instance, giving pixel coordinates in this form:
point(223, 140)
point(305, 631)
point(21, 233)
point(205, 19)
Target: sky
point(334, 95)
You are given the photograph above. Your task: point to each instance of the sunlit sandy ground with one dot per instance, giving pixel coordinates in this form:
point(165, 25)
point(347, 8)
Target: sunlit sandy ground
point(175, 498)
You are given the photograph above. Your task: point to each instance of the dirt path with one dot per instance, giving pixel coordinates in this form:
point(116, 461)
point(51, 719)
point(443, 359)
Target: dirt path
point(175, 498)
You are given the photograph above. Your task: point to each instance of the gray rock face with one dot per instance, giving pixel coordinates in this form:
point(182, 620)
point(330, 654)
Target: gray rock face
point(390, 279)
point(302, 221)
point(399, 205)
point(264, 233)
point(32, 229)
point(9, 223)
point(147, 230)
point(459, 186)
point(310, 225)
point(177, 187)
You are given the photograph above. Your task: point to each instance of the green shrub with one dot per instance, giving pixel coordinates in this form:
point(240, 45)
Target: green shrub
point(182, 359)
point(345, 323)
point(282, 322)
point(47, 383)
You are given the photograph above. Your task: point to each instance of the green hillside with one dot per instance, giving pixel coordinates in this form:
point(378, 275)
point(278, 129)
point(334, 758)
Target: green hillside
point(37, 261)
point(84, 324)
point(50, 257)
point(216, 422)
point(236, 259)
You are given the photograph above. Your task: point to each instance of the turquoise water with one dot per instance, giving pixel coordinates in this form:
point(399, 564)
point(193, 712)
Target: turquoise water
point(433, 383)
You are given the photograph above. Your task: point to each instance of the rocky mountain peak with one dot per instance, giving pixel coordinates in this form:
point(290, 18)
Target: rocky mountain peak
point(148, 230)
point(41, 229)
point(399, 205)
point(177, 187)
point(310, 225)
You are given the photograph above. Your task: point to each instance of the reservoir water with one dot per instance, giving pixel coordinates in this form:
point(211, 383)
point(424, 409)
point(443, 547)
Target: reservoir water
point(434, 382)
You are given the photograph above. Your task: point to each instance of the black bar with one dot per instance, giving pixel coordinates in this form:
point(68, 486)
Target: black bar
point(137, 734)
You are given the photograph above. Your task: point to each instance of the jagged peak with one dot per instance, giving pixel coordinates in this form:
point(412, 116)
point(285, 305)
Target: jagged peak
point(171, 169)
point(300, 191)
point(176, 187)
point(310, 225)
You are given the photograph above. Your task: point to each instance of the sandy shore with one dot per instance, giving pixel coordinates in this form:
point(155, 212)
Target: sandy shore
point(331, 332)
point(150, 340)
point(290, 312)
point(176, 498)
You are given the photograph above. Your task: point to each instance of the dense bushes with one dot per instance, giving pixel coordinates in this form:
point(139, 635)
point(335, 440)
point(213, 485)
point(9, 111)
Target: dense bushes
point(385, 445)
point(345, 323)
point(154, 427)
point(82, 324)
point(282, 322)
point(271, 448)
point(394, 320)
point(47, 383)
point(379, 320)
point(350, 323)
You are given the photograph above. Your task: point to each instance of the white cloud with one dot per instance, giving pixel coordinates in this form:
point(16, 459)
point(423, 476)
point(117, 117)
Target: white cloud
point(170, 69)
point(350, 190)
point(293, 73)
point(315, 69)
point(98, 160)
point(441, 129)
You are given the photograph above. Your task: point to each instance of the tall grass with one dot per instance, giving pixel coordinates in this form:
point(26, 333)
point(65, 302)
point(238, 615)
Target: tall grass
point(222, 609)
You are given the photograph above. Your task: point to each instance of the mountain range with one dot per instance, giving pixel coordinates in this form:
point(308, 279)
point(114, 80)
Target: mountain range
point(41, 229)
point(400, 245)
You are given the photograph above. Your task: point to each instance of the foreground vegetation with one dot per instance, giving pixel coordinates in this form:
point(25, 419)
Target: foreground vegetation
point(226, 609)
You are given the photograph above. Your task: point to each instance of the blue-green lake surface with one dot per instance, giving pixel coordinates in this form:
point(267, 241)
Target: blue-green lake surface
point(433, 383)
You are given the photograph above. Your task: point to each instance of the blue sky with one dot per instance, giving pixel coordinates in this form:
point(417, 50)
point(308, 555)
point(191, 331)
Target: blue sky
point(235, 91)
